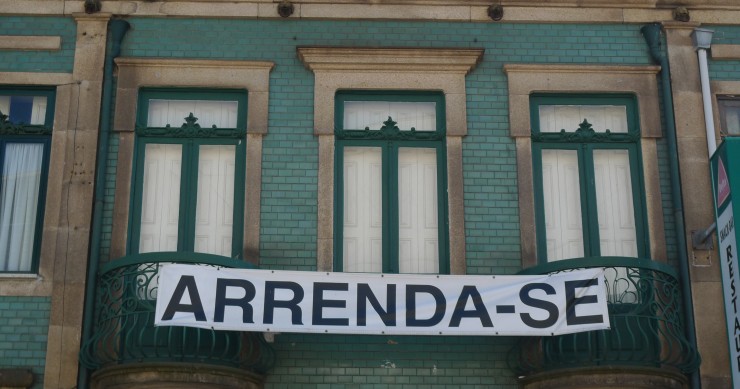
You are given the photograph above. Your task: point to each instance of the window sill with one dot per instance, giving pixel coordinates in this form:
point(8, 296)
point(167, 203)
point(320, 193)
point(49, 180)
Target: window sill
point(22, 276)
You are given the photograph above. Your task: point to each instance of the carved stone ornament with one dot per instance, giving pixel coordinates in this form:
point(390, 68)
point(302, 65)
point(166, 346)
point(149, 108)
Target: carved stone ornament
point(585, 134)
point(190, 129)
point(389, 131)
point(8, 128)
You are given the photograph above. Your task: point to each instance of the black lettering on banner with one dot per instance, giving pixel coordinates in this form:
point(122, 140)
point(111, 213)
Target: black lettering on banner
point(571, 301)
point(292, 304)
point(222, 301)
point(440, 306)
point(195, 307)
point(551, 308)
point(319, 303)
point(365, 294)
point(480, 311)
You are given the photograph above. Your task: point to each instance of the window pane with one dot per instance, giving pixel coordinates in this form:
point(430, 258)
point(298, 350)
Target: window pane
point(160, 199)
point(363, 206)
point(615, 209)
point(214, 215)
point(372, 114)
point(730, 115)
point(562, 198)
point(554, 118)
point(19, 200)
point(418, 246)
point(24, 109)
point(222, 114)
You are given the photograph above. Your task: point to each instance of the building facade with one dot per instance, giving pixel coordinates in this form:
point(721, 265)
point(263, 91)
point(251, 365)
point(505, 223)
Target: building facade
point(440, 136)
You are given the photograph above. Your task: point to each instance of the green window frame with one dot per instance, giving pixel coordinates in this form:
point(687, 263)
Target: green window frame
point(389, 139)
point(19, 131)
point(729, 115)
point(190, 136)
point(584, 141)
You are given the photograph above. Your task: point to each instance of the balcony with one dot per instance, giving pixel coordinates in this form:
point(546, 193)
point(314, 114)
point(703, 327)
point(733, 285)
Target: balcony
point(124, 334)
point(646, 342)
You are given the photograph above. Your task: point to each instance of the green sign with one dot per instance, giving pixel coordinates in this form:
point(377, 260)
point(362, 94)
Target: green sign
point(725, 164)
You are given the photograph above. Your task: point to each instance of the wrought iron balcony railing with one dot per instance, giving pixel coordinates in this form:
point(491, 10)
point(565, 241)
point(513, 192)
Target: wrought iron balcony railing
point(645, 312)
point(124, 329)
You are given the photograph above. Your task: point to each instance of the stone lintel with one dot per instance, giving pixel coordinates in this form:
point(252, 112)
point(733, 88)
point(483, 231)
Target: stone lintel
point(390, 59)
point(23, 42)
point(725, 52)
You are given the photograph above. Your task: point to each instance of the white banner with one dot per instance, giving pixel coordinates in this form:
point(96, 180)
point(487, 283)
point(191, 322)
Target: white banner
point(364, 303)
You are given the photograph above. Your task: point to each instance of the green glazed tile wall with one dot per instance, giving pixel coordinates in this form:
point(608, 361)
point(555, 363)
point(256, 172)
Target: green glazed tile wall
point(60, 61)
point(724, 70)
point(24, 327)
point(290, 162)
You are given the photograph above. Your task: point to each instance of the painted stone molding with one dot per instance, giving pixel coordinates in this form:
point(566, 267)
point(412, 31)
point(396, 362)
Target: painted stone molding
point(725, 52)
point(389, 69)
point(23, 42)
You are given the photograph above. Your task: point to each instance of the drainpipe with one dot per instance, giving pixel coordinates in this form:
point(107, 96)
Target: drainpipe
point(118, 30)
point(651, 32)
point(702, 42)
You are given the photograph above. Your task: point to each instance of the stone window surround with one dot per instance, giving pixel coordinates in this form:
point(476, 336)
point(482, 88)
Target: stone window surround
point(526, 79)
point(40, 283)
point(135, 73)
point(338, 68)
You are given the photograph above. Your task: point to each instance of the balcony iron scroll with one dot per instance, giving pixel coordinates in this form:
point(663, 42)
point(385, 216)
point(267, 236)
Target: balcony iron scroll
point(647, 329)
point(124, 329)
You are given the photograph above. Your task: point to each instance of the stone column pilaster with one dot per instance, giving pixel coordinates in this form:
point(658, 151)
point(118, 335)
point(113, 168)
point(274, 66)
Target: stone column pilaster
point(79, 136)
point(706, 283)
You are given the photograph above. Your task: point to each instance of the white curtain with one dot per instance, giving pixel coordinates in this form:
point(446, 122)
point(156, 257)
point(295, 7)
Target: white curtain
point(615, 208)
point(18, 204)
point(214, 215)
point(160, 199)
point(360, 114)
point(363, 210)
point(222, 114)
point(562, 196)
point(554, 118)
point(418, 224)
point(418, 229)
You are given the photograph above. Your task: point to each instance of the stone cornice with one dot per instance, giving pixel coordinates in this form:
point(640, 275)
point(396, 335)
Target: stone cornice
point(581, 69)
point(515, 11)
point(191, 63)
point(390, 59)
point(525, 79)
point(135, 72)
